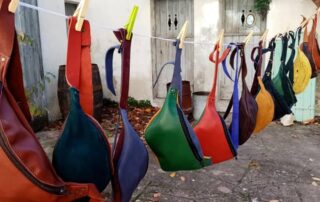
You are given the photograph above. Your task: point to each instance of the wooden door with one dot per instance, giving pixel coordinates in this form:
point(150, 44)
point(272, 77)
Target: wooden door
point(238, 22)
point(169, 16)
point(27, 25)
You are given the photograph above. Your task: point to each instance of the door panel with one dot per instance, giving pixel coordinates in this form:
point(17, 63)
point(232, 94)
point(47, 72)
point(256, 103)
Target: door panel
point(180, 11)
point(235, 31)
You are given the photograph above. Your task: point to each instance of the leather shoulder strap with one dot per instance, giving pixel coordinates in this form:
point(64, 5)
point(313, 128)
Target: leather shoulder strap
point(10, 64)
point(257, 62)
point(215, 58)
point(125, 50)
point(109, 67)
point(79, 68)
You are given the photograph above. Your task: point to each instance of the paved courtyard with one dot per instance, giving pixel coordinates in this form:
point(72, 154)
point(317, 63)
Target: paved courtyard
point(280, 164)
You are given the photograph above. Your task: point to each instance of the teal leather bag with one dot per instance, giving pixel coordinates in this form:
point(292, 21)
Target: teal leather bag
point(82, 153)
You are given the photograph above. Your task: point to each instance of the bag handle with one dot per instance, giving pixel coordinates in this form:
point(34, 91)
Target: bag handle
point(257, 63)
point(235, 95)
point(10, 64)
point(176, 81)
point(215, 58)
point(125, 50)
point(158, 76)
point(79, 67)
point(7, 36)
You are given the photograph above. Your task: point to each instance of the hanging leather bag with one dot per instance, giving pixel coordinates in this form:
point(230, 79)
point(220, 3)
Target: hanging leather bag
point(82, 152)
point(263, 97)
point(235, 120)
point(248, 107)
point(211, 129)
point(281, 107)
point(170, 135)
point(302, 69)
point(281, 81)
point(26, 172)
point(313, 43)
point(306, 50)
point(130, 156)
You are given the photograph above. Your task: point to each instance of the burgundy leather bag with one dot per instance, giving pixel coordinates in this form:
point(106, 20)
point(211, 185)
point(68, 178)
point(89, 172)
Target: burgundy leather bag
point(26, 172)
point(248, 107)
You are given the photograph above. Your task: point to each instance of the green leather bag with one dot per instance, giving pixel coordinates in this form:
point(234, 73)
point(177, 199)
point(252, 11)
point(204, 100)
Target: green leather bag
point(170, 135)
point(282, 81)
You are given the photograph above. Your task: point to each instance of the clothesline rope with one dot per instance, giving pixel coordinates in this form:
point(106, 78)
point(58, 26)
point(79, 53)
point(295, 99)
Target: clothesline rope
point(26, 5)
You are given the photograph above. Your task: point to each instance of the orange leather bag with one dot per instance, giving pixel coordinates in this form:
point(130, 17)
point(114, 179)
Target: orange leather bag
point(313, 43)
point(26, 173)
point(263, 97)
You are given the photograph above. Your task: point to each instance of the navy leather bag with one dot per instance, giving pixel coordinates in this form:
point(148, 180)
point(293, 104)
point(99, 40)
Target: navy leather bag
point(82, 153)
point(234, 101)
point(130, 156)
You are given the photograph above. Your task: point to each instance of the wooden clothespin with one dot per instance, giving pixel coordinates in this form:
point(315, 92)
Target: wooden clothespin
point(13, 6)
point(81, 13)
point(248, 38)
point(264, 36)
point(182, 34)
point(131, 21)
point(305, 21)
point(220, 39)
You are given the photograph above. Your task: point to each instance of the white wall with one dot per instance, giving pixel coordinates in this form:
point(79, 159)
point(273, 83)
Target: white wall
point(53, 43)
point(115, 15)
point(101, 14)
point(285, 14)
point(207, 25)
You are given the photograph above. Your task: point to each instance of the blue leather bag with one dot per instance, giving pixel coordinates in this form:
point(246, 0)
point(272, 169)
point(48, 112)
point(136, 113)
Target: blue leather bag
point(130, 156)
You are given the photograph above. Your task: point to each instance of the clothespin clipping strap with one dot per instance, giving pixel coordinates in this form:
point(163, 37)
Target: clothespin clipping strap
point(248, 38)
point(182, 34)
point(264, 36)
point(220, 40)
point(81, 13)
point(13, 6)
point(131, 21)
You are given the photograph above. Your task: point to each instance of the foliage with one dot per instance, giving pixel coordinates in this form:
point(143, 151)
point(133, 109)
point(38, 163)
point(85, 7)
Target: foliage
point(131, 102)
point(262, 6)
point(139, 103)
point(24, 39)
point(35, 91)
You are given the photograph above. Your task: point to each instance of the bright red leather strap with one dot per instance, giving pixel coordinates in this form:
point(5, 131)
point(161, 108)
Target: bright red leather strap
point(216, 53)
point(79, 68)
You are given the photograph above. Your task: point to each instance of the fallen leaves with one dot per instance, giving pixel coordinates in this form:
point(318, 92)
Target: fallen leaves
point(138, 117)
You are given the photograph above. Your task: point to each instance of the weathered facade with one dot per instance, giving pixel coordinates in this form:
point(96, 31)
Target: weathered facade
point(207, 18)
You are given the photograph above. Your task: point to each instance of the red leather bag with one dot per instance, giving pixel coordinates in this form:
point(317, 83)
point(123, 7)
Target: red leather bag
point(26, 173)
point(211, 129)
point(313, 43)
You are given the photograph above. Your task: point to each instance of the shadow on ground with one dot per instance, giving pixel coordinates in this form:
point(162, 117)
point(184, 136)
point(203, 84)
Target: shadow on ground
point(280, 164)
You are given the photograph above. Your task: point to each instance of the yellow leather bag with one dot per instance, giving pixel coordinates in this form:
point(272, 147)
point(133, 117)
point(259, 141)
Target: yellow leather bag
point(301, 70)
point(263, 98)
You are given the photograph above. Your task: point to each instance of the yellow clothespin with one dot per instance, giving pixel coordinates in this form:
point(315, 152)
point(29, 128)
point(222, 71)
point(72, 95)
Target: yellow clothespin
point(13, 5)
point(264, 36)
point(130, 23)
point(247, 39)
point(220, 40)
point(182, 34)
point(81, 13)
